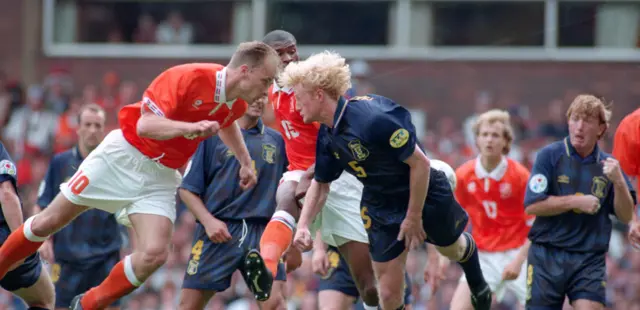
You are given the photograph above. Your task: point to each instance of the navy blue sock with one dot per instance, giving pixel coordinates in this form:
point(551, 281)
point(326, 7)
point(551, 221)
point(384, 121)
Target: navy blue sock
point(470, 264)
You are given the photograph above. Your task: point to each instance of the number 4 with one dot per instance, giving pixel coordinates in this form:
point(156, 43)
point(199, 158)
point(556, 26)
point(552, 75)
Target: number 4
point(491, 208)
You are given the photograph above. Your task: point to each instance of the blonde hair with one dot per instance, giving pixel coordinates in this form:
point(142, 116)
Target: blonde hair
point(496, 116)
point(327, 71)
point(591, 106)
point(252, 54)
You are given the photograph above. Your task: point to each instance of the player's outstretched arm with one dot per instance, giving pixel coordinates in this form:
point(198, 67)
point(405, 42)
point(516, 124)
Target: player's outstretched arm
point(419, 167)
point(11, 207)
point(159, 128)
point(232, 138)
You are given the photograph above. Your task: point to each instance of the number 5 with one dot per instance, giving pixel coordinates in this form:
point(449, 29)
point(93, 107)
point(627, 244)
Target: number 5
point(360, 173)
point(366, 219)
point(491, 208)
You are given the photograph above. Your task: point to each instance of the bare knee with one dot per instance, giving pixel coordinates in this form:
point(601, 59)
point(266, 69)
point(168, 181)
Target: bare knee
point(154, 256)
point(391, 297)
point(286, 198)
point(41, 294)
point(456, 250)
point(277, 300)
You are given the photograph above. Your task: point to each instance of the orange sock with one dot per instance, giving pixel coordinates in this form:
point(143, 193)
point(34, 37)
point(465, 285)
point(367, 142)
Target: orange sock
point(276, 238)
point(115, 286)
point(18, 247)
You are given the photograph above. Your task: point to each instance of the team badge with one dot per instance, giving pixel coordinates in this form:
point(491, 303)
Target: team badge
point(399, 138)
point(505, 190)
point(538, 183)
point(197, 103)
point(193, 267)
point(7, 167)
point(599, 186)
point(358, 151)
point(269, 153)
point(471, 187)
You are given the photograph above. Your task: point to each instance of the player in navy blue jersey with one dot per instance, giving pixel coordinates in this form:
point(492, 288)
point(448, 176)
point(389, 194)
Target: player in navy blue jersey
point(573, 189)
point(83, 252)
point(28, 280)
point(230, 221)
point(372, 138)
point(337, 290)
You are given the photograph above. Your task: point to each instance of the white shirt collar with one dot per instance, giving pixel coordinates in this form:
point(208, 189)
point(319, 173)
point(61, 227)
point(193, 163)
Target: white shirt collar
point(277, 88)
point(220, 95)
point(496, 174)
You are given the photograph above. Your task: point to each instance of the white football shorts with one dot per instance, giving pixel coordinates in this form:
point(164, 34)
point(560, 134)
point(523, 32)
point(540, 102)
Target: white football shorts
point(339, 221)
point(116, 177)
point(492, 265)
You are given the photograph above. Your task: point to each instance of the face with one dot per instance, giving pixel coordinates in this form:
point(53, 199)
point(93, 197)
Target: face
point(308, 103)
point(490, 139)
point(255, 82)
point(287, 51)
point(256, 108)
point(584, 131)
point(91, 128)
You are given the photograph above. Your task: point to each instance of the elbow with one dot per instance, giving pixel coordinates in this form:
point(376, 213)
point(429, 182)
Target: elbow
point(141, 128)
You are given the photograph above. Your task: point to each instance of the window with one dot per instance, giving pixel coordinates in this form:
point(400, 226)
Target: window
point(332, 22)
point(577, 24)
point(590, 23)
point(488, 23)
point(102, 21)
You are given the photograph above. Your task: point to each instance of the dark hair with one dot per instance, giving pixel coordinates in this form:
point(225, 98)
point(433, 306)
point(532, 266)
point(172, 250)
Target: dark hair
point(90, 107)
point(277, 36)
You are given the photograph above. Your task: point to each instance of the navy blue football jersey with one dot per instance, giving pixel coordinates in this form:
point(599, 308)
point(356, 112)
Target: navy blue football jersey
point(559, 171)
point(8, 173)
point(213, 175)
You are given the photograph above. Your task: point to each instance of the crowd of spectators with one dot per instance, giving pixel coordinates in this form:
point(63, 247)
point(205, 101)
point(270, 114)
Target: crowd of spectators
point(40, 120)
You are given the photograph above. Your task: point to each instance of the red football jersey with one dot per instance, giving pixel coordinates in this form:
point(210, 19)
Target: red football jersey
point(495, 203)
point(300, 138)
point(187, 93)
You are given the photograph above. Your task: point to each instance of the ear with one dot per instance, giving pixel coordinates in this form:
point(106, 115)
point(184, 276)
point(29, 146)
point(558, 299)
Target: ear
point(319, 94)
point(244, 69)
point(603, 128)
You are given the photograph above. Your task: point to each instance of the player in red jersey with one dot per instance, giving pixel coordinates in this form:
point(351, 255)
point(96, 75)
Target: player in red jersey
point(340, 223)
point(135, 167)
point(626, 145)
point(491, 188)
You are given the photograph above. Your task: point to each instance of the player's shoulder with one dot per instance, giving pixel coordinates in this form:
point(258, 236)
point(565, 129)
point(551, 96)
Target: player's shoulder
point(274, 134)
point(466, 170)
point(630, 120)
point(194, 70)
point(552, 151)
point(63, 156)
point(4, 153)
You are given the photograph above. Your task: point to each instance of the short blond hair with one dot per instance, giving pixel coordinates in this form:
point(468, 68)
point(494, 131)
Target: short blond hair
point(327, 71)
point(252, 54)
point(496, 116)
point(591, 106)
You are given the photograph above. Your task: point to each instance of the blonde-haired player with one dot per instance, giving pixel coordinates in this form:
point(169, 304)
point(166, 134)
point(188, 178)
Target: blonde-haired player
point(491, 189)
point(573, 190)
point(404, 202)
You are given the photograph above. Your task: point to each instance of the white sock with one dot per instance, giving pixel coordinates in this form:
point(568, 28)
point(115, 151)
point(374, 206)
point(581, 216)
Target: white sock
point(370, 307)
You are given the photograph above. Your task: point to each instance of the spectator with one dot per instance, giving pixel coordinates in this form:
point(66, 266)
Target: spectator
point(555, 126)
point(5, 99)
point(146, 30)
point(31, 127)
point(174, 30)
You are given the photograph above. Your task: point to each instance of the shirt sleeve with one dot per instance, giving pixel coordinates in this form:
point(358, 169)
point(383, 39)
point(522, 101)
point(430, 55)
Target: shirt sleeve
point(538, 184)
point(171, 90)
point(461, 188)
point(47, 189)
point(393, 132)
point(200, 168)
point(625, 146)
point(328, 168)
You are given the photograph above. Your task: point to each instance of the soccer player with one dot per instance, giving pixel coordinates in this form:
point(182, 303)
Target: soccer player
point(491, 189)
point(340, 223)
point(574, 187)
point(337, 291)
point(135, 167)
point(231, 221)
point(626, 144)
point(373, 138)
point(85, 251)
point(27, 279)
